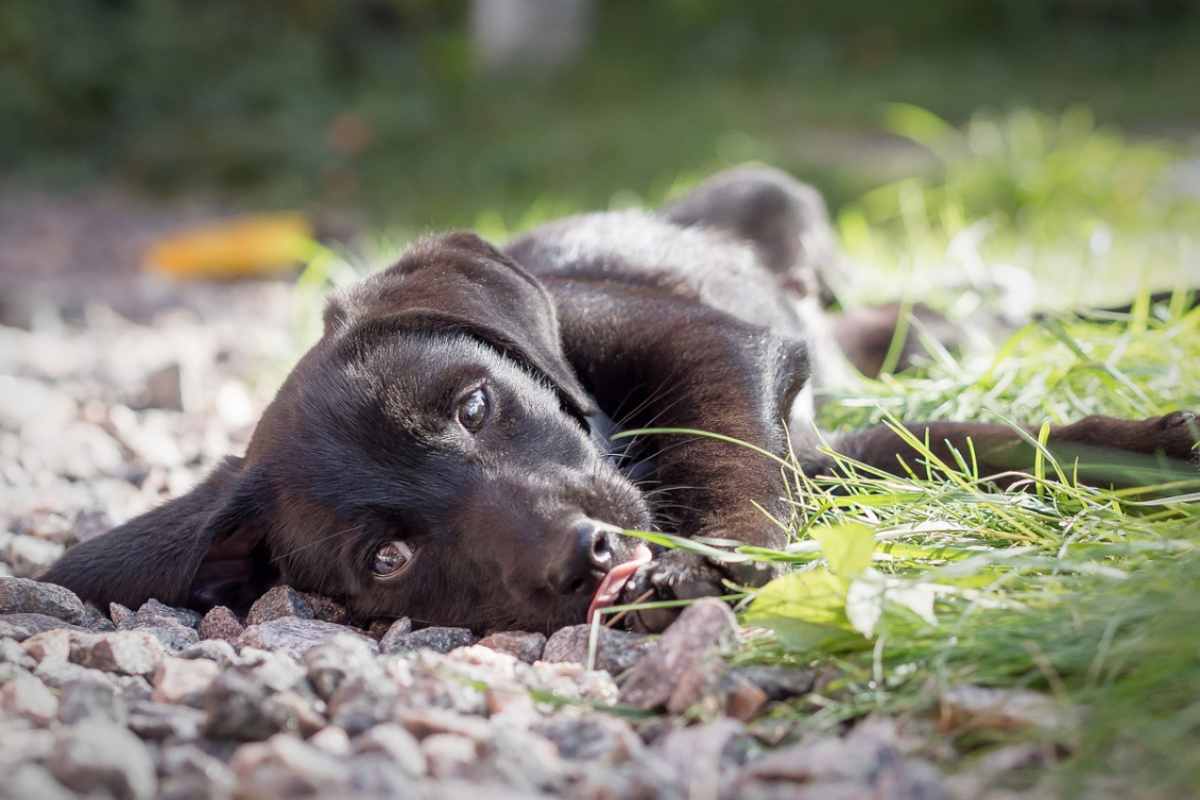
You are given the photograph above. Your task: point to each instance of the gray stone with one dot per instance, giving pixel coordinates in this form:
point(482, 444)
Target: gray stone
point(295, 712)
point(440, 640)
point(121, 616)
point(616, 650)
point(29, 557)
point(360, 703)
point(294, 636)
point(597, 738)
point(276, 671)
point(285, 766)
point(24, 743)
point(181, 680)
point(217, 650)
point(98, 755)
point(49, 525)
point(400, 628)
point(133, 687)
point(375, 775)
point(685, 662)
point(30, 781)
point(866, 763)
point(699, 755)
point(235, 708)
point(25, 596)
point(778, 683)
point(10, 672)
point(525, 645)
point(448, 755)
point(332, 740)
point(423, 722)
point(22, 626)
point(57, 674)
point(397, 744)
point(94, 620)
point(222, 624)
point(279, 602)
point(124, 652)
point(54, 645)
point(526, 761)
point(159, 721)
point(329, 664)
point(174, 638)
point(163, 388)
point(91, 699)
point(188, 773)
point(155, 614)
point(742, 700)
point(13, 653)
point(26, 696)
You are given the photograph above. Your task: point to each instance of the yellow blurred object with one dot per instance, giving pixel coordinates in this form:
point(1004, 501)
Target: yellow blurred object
point(248, 247)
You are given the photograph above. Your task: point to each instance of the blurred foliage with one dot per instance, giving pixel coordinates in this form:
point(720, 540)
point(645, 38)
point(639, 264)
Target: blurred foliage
point(376, 104)
point(1091, 215)
point(1041, 173)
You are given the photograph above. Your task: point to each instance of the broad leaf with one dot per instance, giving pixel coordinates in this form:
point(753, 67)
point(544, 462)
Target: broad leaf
point(847, 547)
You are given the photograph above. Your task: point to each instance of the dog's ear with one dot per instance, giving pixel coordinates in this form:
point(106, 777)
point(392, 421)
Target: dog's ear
point(459, 283)
point(203, 549)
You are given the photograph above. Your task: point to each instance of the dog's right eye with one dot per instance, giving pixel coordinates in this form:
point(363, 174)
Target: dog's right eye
point(391, 559)
point(473, 409)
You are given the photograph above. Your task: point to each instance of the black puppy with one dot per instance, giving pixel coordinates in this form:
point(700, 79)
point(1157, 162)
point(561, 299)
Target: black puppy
point(443, 452)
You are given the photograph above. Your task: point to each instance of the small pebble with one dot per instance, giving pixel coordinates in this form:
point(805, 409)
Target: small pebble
point(524, 645)
point(28, 697)
point(181, 680)
point(221, 623)
point(438, 639)
point(280, 601)
point(124, 652)
point(25, 596)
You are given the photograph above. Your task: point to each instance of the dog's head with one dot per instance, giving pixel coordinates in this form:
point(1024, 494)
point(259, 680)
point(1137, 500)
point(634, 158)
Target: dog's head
point(430, 456)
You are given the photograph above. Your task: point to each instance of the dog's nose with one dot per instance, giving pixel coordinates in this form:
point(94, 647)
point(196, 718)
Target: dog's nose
point(588, 558)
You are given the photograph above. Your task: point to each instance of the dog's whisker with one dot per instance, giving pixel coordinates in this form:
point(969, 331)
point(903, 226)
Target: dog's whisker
point(321, 540)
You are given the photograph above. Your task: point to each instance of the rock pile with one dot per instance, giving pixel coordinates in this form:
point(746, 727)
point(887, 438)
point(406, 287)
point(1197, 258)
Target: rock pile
point(298, 706)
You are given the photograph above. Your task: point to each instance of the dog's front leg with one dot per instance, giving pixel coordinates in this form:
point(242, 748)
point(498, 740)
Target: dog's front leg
point(657, 361)
point(1098, 451)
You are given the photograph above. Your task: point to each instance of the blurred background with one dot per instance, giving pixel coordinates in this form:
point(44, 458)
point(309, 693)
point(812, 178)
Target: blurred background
point(404, 115)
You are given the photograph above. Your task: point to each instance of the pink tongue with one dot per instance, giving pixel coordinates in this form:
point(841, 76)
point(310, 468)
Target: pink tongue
point(610, 588)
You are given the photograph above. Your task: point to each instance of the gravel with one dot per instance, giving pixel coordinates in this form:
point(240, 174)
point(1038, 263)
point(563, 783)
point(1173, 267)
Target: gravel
point(103, 415)
point(24, 596)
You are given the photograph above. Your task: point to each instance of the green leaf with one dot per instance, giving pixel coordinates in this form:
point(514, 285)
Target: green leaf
point(800, 636)
point(847, 547)
point(816, 596)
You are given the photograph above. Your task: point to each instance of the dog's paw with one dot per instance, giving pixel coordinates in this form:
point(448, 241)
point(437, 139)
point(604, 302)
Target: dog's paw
point(1175, 435)
point(680, 575)
point(673, 575)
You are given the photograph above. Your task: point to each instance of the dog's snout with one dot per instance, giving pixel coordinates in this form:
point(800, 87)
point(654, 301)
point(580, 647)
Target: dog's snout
point(587, 557)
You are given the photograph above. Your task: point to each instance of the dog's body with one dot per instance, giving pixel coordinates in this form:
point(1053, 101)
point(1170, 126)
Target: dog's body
point(445, 452)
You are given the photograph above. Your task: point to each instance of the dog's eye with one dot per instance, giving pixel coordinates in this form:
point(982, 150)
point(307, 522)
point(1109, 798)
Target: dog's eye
point(473, 409)
point(391, 558)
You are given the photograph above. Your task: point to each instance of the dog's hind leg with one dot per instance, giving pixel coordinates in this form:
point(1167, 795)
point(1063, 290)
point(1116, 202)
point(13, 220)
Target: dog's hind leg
point(1099, 451)
point(783, 219)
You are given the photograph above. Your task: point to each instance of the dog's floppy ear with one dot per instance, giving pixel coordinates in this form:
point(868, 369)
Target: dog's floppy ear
point(202, 549)
point(458, 282)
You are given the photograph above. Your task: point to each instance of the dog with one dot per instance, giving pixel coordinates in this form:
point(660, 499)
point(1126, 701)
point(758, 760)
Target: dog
point(448, 449)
